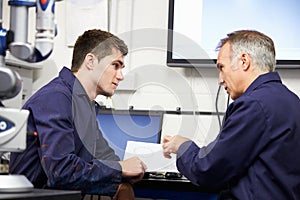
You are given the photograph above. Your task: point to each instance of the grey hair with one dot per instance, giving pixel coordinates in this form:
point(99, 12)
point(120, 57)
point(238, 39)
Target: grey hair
point(259, 46)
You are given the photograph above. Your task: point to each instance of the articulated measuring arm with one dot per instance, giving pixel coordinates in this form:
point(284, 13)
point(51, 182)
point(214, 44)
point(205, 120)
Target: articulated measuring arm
point(15, 39)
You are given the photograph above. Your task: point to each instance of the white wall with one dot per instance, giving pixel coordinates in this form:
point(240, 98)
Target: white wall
point(143, 25)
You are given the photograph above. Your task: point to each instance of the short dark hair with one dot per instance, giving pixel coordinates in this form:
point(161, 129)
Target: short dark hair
point(98, 42)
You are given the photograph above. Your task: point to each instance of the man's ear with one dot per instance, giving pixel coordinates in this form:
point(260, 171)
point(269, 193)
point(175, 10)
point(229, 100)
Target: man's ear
point(246, 61)
point(89, 61)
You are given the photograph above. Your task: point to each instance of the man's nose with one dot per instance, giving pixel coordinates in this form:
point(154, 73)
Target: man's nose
point(120, 75)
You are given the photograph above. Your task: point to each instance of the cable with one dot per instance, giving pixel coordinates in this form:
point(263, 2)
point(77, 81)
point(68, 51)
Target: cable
point(217, 110)
point(228, 99)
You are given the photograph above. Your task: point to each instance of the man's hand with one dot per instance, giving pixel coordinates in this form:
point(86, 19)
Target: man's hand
point(171, 144)
point(133, 168)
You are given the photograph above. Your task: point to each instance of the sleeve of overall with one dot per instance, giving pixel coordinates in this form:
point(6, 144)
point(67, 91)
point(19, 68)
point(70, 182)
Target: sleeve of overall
point(64, 169)
point(235, 148)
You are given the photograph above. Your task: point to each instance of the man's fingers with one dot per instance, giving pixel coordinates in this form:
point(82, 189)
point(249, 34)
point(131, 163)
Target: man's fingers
point(167, 138)
point(167, 153)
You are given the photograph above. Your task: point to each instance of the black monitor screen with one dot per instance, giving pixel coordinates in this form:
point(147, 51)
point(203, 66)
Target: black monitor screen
point(120, 126)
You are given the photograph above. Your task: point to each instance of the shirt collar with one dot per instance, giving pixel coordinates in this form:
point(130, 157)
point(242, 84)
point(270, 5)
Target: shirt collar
point(67, 76)
point(264, 78)
point(72, 82)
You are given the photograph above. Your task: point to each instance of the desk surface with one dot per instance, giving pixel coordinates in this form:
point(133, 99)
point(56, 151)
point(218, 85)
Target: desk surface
point(42, 194)
point(171, 189)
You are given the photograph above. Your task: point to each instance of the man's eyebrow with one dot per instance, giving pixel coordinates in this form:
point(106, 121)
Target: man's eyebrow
point(119, 62)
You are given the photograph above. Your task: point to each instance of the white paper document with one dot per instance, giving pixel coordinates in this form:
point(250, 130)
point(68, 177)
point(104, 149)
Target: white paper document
point(152, 155)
